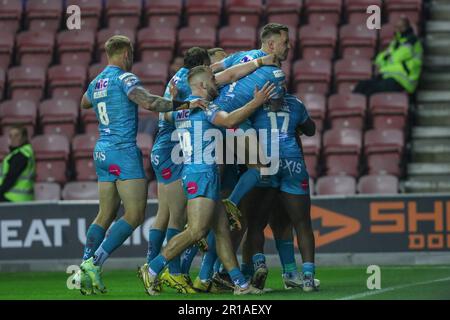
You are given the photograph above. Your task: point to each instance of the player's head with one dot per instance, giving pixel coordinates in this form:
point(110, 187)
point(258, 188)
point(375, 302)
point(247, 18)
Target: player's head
point(18, 135)
point(275, 40)
point(196, 56)
point(216, 54)
point(202, 82)
point(402, 25)
point(119, 51)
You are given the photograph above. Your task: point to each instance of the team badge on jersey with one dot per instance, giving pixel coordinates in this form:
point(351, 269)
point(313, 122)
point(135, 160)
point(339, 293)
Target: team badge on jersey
point(247, 58)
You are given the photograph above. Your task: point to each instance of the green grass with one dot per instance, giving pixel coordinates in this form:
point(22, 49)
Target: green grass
point(336, 283)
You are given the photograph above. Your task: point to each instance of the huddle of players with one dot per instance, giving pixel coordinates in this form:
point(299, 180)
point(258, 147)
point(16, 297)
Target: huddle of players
point(250, 92)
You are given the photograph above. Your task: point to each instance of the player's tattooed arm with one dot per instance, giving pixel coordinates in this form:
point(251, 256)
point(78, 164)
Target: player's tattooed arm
point(146, 100)
point(85, 103)
point(307, 128)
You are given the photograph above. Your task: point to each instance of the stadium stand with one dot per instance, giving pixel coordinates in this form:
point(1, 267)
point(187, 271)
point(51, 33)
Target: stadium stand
point(17, 111)
point(86, 190)
point(83, 147)
point(47, 191)
point(59, 116)
point(163, 13)
point(284, 11)
point(4, 146)
point(336, 185)
point(6, 50)
point(92, 12)
point(378, 184)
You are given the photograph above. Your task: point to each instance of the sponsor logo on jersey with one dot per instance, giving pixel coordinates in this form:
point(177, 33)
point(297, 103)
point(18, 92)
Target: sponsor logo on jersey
point(166, 173)
point(247, 58)
point(182, 115)
point(278, 73)
point(192, 187)
point(114, 169)
point(102, 84)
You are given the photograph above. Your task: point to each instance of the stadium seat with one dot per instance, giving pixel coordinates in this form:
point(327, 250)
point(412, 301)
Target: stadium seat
point(357, 41)
point(91, 12)
point(316, 106)
point(203, 12)
point(318, 41)
point(342, 148)
point(235, 38)
point(75, 47)
point(389, 110)
point(2, 83)
point(51, 152)
point(200, 36)
point(83, 147)
point(67, 82)
point(349, 71)
point(378, 184)
point(311, 147)
point(323, 11)
point(47, 191)
point(312, 76)
point(336, 185)
point(312, 187)
point(6, 49)
point(384, 149)
point(59, 116)
point(387, 33)
point(26, 82)
point(18, 111)
point(404, 8)
point(156, 44)
point(10, 15)
point(86, 190)
point(356, 10)
point(145, 143)
point(44, 15)
point(152, 190)
point(284, 11)
point(35, 48)
point(287, 69)
point(89, 120)
point(244, 12)
point(123, 13)
point(4, 146)
point(152, 75)
point(347, 110)
point(163, 13)
point(94, 71)
point(104, 34)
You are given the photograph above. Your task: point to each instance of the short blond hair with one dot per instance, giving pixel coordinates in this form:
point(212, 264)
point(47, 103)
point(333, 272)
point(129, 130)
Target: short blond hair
point(117, 44)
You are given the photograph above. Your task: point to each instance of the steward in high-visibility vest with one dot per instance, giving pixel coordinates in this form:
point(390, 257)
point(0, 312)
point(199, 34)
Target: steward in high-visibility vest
point(18, 169)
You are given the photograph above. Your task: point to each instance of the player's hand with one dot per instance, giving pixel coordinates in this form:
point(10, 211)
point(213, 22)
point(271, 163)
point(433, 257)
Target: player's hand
point(198, 103)
point(173, 90)
point(270, 60)
point(263, 95)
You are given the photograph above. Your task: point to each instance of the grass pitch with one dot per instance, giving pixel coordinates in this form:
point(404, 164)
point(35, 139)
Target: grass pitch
point(403, 282)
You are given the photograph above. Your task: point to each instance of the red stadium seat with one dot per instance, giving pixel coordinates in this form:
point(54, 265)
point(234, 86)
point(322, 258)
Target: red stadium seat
point(311, 150)
point(156, 44)
point(389, 110)
point(342, 148)
point(356, 10)
point(378, 184)
point(6, 49)
point(384, 150)
point(35, 47)
point(404, 8)
point(4, 146)
point(349, 71)
point(164, 13)
point(316, 105)
point(153, 190)
point(10, 15)
point(83, 147)
point(347, 110)
point(122, 13)
point(323, 11)
point(152, 75)
point(59, 116)
point(284, 11)
point(104, 34)
point(44, 14)
point(2, 83)
point(357, 41)
point(91, 11)
point(95, 70)
point(89, 120)
point(51, 152)
point(318, 41)
point(287, 69)
point(17, 111)
point(312, 76)
point(75, 47)
point(145, 143)
point(26, 82)
point(86, 190)
point(47, 191)
point(203, 12)
point(67, 82)
point(200, 36)
point(244, 12)
point(235, 38)
point(336, 185)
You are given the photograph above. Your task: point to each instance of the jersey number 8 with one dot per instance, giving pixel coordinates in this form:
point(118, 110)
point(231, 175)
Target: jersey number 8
point(103, 116)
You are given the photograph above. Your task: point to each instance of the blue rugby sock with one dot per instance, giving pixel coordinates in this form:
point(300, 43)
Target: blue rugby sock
point(119, 232)
point(155, 241)
point(175, 263)
point(259, 260)
point(217, 265)
point(156, 265)
point(238, 278)
point(209, 258)
point(94, 238)
point(187, 259)
point(287, 256)
point(309, 267)
point(246, 183)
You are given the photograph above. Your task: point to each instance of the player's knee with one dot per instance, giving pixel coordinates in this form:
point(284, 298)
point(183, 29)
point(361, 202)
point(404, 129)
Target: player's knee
point(197, 232)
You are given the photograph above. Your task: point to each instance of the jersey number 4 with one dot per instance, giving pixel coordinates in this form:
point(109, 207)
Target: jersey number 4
point(103, 116)
point(273, 120)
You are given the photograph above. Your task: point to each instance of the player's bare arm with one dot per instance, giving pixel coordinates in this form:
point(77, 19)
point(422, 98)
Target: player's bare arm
point(232, 119)
point(85, 103)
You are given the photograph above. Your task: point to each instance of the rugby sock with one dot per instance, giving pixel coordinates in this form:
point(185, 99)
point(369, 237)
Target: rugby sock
point(259, 260)
point(155, 241)
point(188, 257)
point(94, 238)
point(217, 265)
point(209, 258)
point(308, 267)
point(119, 232)
point(247, 270)
point(156, 265)
point(246, 183)
point(287, 256)
point(238, 278)
point(175, 263)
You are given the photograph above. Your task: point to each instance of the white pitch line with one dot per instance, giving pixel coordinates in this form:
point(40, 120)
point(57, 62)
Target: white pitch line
point(374, 292)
